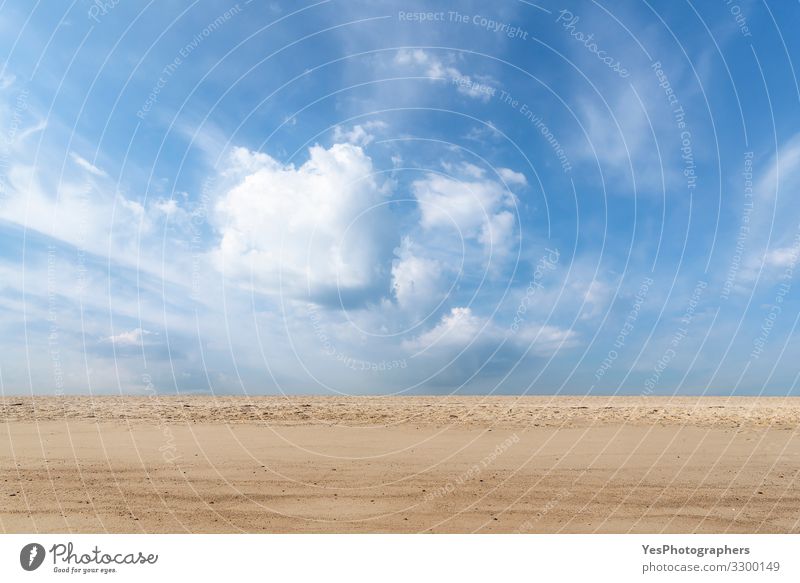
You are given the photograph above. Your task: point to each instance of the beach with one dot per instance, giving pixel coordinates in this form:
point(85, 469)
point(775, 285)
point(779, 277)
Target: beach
point(207, 464)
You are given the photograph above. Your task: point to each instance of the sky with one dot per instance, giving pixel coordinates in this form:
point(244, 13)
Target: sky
point(352, 197)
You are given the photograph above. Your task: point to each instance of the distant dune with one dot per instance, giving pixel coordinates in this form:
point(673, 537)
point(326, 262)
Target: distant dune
point(417, 464)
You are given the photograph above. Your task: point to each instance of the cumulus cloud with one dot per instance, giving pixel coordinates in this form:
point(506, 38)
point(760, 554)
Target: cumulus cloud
point(319, 230)
point(478, 207)
point(323, 231)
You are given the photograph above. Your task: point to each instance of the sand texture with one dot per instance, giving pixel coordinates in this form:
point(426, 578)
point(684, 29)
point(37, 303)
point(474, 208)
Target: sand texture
point(402, 464)
point(367, 411)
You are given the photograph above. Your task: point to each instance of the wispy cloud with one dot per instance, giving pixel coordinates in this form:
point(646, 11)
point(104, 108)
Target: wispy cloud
point(88, 166)
point(474, 86)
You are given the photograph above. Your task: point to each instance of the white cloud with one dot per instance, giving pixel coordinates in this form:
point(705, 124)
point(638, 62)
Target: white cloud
point(476, 87)
point(497, 234)
point(445, 202)
point(31, 130)
point(772, 235)
point(318, 228)
point(784, 170)
point(623, 138)
point(478, 208)
point(135, 208)
point(545, 340)
point(468, 169)
point(512, 178)
point(167, 207)
point(615, 134)
point(74, 209)
point(86, 165)
point(417, 281)
point(461, 328)
point(360, 135)
point(74, 217)
point(483, 133)
point(783, 257)
point(357, 135)
point(457, 329)
point(6, 81)
point(130, 338)
point(596, 297)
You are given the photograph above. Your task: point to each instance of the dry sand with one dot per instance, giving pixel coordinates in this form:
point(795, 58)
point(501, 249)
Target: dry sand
point(417, 464)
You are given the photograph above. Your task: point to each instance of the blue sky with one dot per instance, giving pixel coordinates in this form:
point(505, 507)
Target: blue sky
point(399, 197)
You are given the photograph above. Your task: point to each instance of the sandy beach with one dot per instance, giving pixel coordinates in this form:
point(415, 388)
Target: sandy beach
point(399, 464)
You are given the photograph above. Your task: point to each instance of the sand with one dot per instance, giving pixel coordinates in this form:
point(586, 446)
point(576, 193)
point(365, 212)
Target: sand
point(416, 464)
